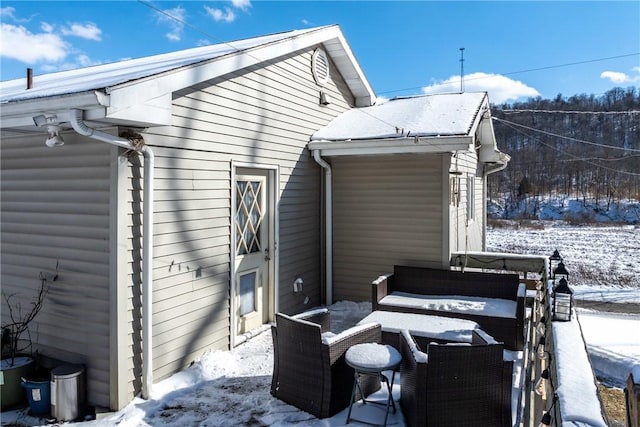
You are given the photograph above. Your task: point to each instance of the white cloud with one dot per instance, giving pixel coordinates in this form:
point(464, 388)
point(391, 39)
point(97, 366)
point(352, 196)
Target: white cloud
point(8, 12)
point(88, 31)
point(175, 19)
point(227, 14)
point(46, 27)
point(241, 4)
point(219, 15)
point(19, 43)
point(307, 22)
point(620, 78)
point(500, 88)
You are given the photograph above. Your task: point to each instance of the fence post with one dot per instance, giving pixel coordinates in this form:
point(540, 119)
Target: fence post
point(632, 397)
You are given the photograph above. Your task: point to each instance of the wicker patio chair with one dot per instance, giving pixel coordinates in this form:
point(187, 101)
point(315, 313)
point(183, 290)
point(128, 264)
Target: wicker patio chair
point(456, 385)
point(309, 369)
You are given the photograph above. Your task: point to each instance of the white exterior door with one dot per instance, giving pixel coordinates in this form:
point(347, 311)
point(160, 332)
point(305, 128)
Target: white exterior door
point(253, 236)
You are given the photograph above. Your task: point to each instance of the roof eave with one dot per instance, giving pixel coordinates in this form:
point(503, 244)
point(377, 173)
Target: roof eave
point(339, 50)
point(148, 101)
point(404, 145)
point(132, 100)
point(19, 114)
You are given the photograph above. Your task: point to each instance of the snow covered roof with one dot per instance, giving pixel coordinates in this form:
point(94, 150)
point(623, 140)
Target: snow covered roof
point(139, 90)
point(420, 124)
point(452, 114)
point(116, 73)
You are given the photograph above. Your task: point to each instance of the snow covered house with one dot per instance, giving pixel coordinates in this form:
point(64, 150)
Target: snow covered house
point(408, 185)
point(181, 196)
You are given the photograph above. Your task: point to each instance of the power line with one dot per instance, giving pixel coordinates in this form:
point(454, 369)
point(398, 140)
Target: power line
point(549, 67)
point(175, 18)
point(516, 111)
point(305, 83)
point(566, 137)
point(276, 65)
point(508, 124)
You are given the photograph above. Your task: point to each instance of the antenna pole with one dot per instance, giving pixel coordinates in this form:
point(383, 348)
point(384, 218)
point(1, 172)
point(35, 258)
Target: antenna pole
point(461, 70)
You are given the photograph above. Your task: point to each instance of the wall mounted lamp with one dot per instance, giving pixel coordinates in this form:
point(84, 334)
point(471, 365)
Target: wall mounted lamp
point(54, 139)
point(562, 301)
point(324, 98)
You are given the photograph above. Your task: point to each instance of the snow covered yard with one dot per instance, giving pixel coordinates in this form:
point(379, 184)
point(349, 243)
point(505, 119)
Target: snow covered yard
point(604, 269)
point(232, 388)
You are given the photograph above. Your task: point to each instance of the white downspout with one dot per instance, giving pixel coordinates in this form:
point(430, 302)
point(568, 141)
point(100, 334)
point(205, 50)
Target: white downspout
point(488, 171)
point(328, 227)
point(147, 236)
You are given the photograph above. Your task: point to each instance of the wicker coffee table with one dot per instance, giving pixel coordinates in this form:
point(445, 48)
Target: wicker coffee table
point(373, 359)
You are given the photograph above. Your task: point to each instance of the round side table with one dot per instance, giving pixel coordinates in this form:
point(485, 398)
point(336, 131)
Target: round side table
point(373, 359)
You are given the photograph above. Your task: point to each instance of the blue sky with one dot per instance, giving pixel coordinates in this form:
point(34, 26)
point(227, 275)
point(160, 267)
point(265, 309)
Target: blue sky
point(513, 49)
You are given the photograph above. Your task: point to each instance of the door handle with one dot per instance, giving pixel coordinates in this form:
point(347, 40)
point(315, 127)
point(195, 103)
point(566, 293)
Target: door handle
point(266, 255)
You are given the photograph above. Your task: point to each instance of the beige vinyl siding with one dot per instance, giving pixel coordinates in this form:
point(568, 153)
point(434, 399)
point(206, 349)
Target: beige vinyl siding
point(264, 115)
point(466, 234)
point(387, 210)
point(55, 209)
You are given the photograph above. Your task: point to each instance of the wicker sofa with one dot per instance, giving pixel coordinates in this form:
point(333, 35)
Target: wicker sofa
point(455, 385)
point(309, 369)
point(495, 301)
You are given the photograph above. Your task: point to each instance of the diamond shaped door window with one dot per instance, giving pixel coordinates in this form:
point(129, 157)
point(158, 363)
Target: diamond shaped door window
point(249, 215)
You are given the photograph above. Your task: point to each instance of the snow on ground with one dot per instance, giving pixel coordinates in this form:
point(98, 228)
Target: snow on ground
point(230, 388)
point(594, 255)
point(613, 343)
point(604, 266)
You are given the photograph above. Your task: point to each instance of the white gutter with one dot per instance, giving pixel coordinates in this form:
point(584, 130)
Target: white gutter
point(410, 145)
point(147, 236)
point(328, 227)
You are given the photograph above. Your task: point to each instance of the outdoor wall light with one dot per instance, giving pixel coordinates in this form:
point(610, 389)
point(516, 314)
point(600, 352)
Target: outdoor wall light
point(560, 272)
point(54, 139)
point(324, 98)
point(554, 259)
point(562, 301)
point(555, 256)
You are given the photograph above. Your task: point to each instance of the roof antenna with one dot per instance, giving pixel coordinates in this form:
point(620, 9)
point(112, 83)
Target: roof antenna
point(461, 70)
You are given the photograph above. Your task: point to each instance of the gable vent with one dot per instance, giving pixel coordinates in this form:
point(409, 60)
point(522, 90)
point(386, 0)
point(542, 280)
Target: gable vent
point(320, 67)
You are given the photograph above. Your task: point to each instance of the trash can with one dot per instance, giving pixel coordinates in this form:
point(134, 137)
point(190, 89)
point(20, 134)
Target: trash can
point(38, 394)
point(67, 392)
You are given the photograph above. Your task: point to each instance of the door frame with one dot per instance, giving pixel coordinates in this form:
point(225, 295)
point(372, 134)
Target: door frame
point(273, 202)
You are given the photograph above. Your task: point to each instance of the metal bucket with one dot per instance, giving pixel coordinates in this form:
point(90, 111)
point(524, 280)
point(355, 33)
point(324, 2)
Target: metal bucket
point(67, 392)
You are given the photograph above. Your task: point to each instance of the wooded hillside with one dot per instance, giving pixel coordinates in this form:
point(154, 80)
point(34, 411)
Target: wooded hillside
point(581, 147)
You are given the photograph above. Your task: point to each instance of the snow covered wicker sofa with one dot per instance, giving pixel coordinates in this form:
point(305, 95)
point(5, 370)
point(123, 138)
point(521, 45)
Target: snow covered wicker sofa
point(455, 385)
point(309, 367)
point(495, 301)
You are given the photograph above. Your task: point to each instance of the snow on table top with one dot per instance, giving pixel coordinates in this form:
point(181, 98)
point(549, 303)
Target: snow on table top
point(438, 327)
point(576, 388)
point(491, 307)
point(373, 356)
